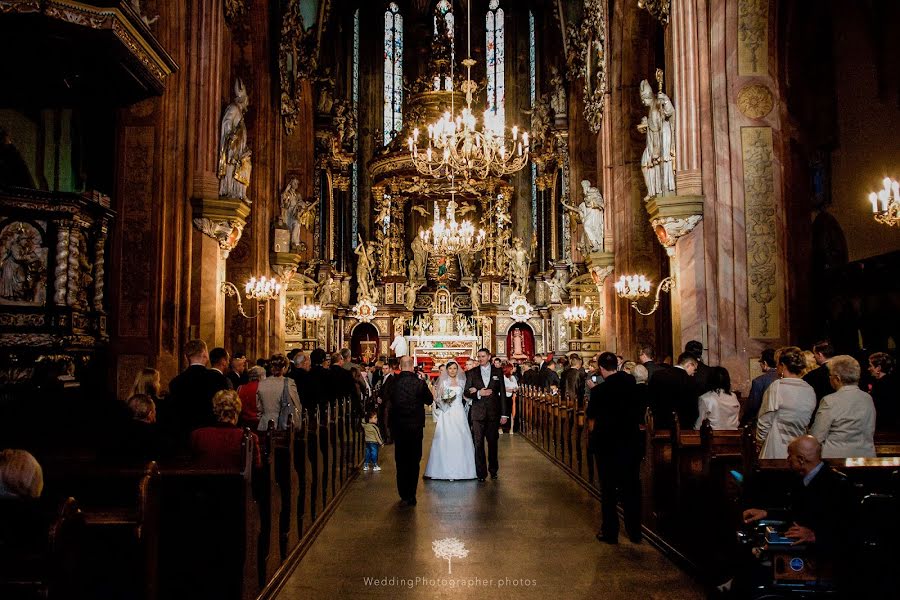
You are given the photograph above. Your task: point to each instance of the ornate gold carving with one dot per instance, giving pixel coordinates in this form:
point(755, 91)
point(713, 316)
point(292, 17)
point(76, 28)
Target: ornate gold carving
point(235, 10)
point(755, 101)
point(753, 37)
point(658, 8)
point(669, 230)
point(586, 58)
point(673, 217)
point(761, 228)
point(23, 264)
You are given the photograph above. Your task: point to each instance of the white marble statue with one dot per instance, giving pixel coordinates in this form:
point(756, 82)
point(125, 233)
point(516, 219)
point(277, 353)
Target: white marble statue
point(519, 265)
point(465, 263)
point(234, 153)
point(475, 294)
point(295, 214)
point(557, 287)
point(658, 160)
point(411, 292)
point(365, 279)
point(326, 291)
point(591, 214)
point(558, 94)
point(420, 258)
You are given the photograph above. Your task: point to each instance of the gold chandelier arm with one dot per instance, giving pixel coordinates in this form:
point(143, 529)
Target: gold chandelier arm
point(665, 285)
point(229, 289)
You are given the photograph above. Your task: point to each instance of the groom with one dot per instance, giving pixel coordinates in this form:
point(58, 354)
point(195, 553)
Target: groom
point(487, 393)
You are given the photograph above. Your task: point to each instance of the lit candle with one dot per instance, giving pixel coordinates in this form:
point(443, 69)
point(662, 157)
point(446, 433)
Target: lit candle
point(883, 196)
point(873, 198)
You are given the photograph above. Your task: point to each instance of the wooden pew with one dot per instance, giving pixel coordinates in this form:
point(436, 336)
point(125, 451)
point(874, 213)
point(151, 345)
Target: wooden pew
point(267, 493)
point(120, 507)
point(210, 530)
point(289, 485)
point(40, 548)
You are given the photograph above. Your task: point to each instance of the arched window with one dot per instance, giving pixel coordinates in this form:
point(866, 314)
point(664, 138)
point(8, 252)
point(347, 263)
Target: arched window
point(393, 72)
point(443, 25)
point(494, 52)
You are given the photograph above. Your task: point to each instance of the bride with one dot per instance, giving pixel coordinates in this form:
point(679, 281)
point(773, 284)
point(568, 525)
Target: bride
point(452, 450)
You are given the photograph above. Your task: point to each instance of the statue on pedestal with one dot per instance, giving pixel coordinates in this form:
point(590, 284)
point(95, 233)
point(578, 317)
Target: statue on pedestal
point(519, 265)
point(558, 94)
point(658, 159)
point(234, 154)
point(295, 213)
point(590, 213)
point(420, 258)
point(557, 286)
point(411, 290)
point(365, 279)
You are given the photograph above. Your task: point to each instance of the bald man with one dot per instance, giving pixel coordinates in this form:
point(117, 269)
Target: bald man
point(407, 396)
point(820, 501)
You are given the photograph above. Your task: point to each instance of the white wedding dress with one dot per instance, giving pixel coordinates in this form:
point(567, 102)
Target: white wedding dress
point(452, 453)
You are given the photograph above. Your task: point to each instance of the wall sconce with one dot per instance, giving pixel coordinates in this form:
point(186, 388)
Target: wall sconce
point(635, 287)
point(310, 312)
point(577, 316)
point(261, 290)
point(886, 203)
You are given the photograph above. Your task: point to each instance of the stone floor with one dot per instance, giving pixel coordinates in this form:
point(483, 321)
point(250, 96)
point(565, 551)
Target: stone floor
point(529, 534)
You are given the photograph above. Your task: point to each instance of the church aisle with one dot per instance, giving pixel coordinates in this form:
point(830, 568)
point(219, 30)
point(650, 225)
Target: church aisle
point(529, 534)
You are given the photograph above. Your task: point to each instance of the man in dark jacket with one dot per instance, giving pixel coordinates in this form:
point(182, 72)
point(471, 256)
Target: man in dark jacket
point(675, 390)
point(342, 384)
point(408, 394)
point(647, 357)
point(486, 391)
point(571, 383)
point(614, 420)
point(819, 378)
point(701, 375)
point(189, 403)
point(759, 386)
point(315, 393)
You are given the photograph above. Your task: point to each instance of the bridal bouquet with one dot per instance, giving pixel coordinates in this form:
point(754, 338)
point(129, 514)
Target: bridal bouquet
point(448, 396)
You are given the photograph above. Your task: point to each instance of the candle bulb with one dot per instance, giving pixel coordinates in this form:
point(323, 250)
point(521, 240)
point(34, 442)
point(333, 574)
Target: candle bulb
point(873, 198)
point(883, 196)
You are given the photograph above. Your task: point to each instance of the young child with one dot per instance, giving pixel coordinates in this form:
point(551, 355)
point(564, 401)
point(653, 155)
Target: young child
point(373, 441)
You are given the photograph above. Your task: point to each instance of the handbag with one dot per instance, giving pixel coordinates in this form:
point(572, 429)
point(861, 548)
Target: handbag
point(286, 408)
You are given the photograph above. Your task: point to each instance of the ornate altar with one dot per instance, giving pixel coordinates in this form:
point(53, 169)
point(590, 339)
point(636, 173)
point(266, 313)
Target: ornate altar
point(443, 333)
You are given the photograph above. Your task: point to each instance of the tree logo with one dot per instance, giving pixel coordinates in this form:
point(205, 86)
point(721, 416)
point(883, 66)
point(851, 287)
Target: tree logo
point(449, 548)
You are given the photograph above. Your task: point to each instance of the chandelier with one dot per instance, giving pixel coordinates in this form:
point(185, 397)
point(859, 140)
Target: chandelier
point(310, 312)
point(886, 203)
point(575, 314)
point(635, 287)
point(448, 237)
point(456, 145)
point(261, 290)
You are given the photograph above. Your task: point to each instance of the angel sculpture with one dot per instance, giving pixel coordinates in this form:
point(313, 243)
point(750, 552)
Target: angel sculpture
point(325, 291)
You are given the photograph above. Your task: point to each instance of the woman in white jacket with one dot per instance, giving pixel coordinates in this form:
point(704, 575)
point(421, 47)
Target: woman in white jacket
point(845, 421)
point(787, 406)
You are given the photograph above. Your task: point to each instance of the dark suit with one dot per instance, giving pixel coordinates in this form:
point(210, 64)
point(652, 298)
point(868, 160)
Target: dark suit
point(407, 395)
point(674, 390)
point(652, 367)
point(342, 386)
point(315, 393)
point(485, 414)
point(616, 440)
point(820, 380)
point(701, 378)
point(189, 403)
point(548, 377)
point(757, 391)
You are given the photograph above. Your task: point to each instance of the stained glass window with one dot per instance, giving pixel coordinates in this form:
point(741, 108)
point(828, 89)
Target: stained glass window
point(443, 15)
point(393, 72)
point(355, 84)
point(494, 52)
point(532, 67)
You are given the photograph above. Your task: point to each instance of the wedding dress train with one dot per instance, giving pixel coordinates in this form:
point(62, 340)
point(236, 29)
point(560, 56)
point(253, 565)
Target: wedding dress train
point(452, 453)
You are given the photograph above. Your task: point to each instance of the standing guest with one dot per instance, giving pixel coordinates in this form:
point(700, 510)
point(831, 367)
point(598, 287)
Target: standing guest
point(139, 439)
point(718, 404)
point(885, 391)
point(759, 386)
point(511, 382)
point(810, 360)
point(549, 377)
point(487, 394)
point(496, 362)
point(341, 382)
point(347, 362)
point(189, 403)
point(620, 362)
point(247, 393)
point(147, 382)
point(276, 396)
point(21, 475)
point(316, 394)
point(399, 345)
point(408, 394)
point(614, 421)
point(237, 373)
point(642, 389)
point(675, 390)
point(373, 441)
point(384, 408)
point(845, 420)
point(300, 370)
point(571, 383)
point(530, 375)
point(819, 378)
point(219, 445)
point(218, 365)
point(647, 357)
point(628, 366)
point(360, 385)
point(701, 375)
point(787, 406)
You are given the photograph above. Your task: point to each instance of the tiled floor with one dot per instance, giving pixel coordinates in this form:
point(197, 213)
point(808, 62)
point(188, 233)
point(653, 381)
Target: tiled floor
point(530, 534)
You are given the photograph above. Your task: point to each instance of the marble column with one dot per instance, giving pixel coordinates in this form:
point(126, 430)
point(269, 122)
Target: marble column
point(684, 28)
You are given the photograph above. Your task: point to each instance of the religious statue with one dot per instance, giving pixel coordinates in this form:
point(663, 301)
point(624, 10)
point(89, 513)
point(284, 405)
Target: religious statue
point(466, 258)
point(519, 265)
point(23, 265)
point(295, 213)
point(411, 291)
point(557, 286)
point(344, 123)
point(234, 154)
point(558, 94)
point(136, 7)
point(591, 213)
point(326, 291)
point(475, 294)
point(658, 159)
point(518, 344)
point(365, 279)
point(325, 100)
point(420, 257)
point(540, 122)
